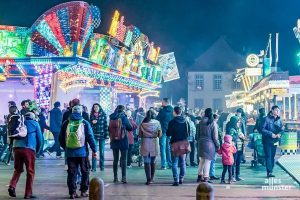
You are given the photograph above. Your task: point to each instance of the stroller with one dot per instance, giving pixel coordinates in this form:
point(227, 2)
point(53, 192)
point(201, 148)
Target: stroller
point(136, 156)
point(258, 153)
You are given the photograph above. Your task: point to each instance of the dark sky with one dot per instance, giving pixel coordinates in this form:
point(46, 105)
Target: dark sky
point(189, 27)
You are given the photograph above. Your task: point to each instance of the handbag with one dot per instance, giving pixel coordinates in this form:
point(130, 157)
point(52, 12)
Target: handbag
point(181, 147)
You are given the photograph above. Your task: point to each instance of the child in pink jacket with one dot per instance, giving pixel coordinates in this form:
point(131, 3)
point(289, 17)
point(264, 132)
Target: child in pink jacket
point(227, 150)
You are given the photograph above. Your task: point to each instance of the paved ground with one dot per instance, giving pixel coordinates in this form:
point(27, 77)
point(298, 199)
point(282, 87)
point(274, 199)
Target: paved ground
point(50, 183)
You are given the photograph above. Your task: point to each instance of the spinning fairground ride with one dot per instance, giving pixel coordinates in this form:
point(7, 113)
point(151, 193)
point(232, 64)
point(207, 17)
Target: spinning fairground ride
point(60, 52)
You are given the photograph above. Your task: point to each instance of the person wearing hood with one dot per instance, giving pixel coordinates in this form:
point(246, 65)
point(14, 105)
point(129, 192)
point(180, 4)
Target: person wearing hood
point(55, 125)
point(227, 150)
point(208, 144)
point(233, 128)
point(178, 130)
point(271, 133)
point(25, 150)
point(120, 144)
point(164, 116)
point(75, 136)
point(150, 132)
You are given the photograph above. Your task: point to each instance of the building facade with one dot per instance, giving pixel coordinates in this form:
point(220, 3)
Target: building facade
point(207, 89)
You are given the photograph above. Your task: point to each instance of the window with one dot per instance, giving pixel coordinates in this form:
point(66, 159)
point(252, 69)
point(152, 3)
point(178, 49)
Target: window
point(199, 103)
point(217, 104)
point(217, 82)
point(236, 84)
point(199, 82)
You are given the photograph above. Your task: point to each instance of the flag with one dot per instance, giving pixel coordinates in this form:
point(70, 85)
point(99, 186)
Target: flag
point(169, 67)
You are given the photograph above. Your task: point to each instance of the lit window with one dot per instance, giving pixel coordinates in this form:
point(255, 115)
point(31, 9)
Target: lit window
point(199, 81)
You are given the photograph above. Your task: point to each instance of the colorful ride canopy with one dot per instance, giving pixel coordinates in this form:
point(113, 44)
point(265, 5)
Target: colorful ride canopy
point(67, 31)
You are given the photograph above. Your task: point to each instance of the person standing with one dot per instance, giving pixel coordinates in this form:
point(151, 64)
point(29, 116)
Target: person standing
point(227, 150)
point(55, 125)
point(260, 120)
point(130, 138)
point(208, 144)
point(100, 129)
point(241, 114)
point(25, 153)
point(43, 126)
point(75, 136)
point(119, 126)
point(271, 130)
point(150, 132)
point(233, 128)
point(178, 130)
point(25, 106)
point(164, 116)
point(191, 140)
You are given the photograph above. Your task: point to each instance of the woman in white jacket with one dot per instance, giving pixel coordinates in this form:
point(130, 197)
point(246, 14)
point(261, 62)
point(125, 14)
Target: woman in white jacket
point(150, 132)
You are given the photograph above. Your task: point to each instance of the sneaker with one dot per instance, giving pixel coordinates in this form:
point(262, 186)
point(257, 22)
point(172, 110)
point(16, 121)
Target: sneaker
point(93, 170)
point(270, 175)
point(74, 196)
point(239, 179)
point(84, 194)
point(181, 181)
point(59, 157)
point(116, 180)
point(175, 184)
point(30, 197)
point(124, 181)
point(129, 166)
point(199, 179)
point(193, 164)
point(187, 164)
point(233, 180)
point(222, 182)
point(12, 192)
point(163, 168)
point(214, 178)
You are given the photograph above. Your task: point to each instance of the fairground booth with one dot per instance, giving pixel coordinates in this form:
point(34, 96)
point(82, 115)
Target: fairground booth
point(60, 54)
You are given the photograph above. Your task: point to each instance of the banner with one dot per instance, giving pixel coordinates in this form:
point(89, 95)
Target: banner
point(169, 67)
point(266, 67)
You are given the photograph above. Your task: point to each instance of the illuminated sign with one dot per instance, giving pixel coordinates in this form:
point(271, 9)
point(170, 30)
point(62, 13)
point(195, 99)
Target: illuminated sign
point(114, 24)
point(252, 60)
point(253, 71)
point(279, 91)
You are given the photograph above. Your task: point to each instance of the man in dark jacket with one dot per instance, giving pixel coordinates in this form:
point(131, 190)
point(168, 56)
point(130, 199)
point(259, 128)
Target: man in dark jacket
point(164, 116)
point(178, 130)
point(271, 130)
point(43, 126)
point(24, 153)
point(121, 145)
point(75, 136)
point(25, 106)
point(55, 125)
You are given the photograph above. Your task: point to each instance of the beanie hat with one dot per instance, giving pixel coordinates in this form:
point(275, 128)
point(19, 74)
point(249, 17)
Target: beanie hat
point(77, 109)
point(227, 138)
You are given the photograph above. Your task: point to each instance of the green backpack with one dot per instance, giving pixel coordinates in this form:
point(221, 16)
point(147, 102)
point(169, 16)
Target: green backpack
point(75, 137)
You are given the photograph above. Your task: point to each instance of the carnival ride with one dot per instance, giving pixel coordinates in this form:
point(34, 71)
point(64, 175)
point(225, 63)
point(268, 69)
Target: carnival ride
point(61, 47)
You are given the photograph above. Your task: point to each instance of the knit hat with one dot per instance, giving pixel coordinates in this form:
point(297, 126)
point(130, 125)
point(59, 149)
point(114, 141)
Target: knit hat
point(227, 138)
point(77, 109)
point(57, 104)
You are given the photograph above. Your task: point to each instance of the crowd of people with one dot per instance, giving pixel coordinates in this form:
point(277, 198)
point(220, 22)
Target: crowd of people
point(170, 133)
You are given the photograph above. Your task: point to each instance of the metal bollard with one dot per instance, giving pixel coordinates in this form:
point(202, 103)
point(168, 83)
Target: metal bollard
point(205, 191)
point(96, 191)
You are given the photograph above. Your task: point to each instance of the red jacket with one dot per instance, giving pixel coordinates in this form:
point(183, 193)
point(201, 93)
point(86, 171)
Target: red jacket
point(130, 133)
point(227, 150)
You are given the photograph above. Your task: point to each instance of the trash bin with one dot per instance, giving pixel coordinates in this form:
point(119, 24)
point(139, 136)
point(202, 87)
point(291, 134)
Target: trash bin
point(288, 143)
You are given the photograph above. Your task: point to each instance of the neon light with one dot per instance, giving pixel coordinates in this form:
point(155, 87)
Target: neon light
point(114, 24)
point(121, 30)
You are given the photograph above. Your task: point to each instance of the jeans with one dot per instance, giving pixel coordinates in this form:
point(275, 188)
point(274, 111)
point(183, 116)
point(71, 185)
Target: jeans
point(129, 155)
point(270, 152)
point(73, 164)
point(178, 160)
point(56, 146)
point(123, 161)
point(101, 143)
point(165, 151)
point(41, 152)
point(24, 156)
point(225, 168)
point(204, 166)
point(149, 159)
point(192, 153)
point(212, 166)
point(237, 162)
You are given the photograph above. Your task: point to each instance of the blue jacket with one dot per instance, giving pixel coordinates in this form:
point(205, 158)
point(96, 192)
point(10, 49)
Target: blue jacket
point(271, 125)
point(89, 138)
point(164, 116)
point(121, 144)
point(33, 140)
point(55, 120)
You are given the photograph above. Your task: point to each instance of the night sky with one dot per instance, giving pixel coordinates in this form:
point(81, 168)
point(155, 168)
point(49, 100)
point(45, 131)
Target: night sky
point(189, 27)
